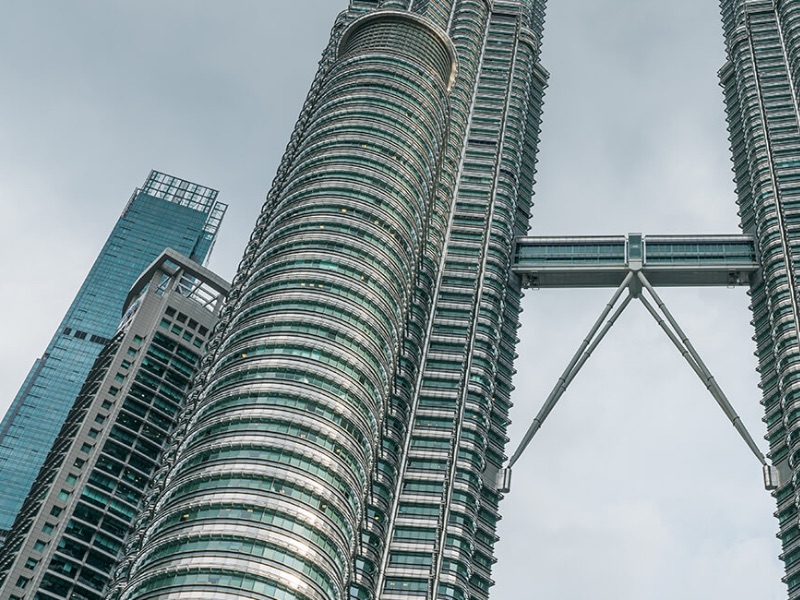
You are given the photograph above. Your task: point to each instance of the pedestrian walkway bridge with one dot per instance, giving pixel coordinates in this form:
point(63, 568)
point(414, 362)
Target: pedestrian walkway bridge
point(666, 260)
point(635, 265)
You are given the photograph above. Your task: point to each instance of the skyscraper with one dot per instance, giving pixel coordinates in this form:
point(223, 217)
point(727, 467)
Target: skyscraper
point(760, 81)
point(346, 434)
point(66, 539)
point(165, 212)
point(345, 437)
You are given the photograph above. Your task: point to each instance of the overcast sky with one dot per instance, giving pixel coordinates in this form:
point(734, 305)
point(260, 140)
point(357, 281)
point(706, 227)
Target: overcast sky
point(637, 487)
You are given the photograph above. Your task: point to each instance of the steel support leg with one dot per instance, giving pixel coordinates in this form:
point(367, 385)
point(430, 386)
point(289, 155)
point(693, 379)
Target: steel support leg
point(681, 341)
point(578, 360)
point(676, 335)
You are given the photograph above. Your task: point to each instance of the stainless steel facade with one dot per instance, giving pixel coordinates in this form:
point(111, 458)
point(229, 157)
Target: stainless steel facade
point(344, 436)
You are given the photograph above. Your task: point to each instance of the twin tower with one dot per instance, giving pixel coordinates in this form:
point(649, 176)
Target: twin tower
point(345, 437)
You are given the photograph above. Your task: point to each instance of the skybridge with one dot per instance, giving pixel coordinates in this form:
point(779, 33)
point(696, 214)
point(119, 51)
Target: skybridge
point(666, 260)
point(636, 264)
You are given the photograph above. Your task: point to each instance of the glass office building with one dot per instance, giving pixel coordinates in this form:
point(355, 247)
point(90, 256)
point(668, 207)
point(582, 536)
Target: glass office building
point(346, 433)
point(165, 212)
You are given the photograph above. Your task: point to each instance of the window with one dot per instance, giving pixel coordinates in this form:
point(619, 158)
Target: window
point(410, 559)
point(79, 530)
point(418, 510)
point(416, 587)
point(422, 487)
point(88, 514)
point(51, 583)
point(414, 533)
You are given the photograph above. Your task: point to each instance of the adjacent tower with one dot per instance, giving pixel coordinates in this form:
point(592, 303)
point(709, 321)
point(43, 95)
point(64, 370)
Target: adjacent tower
point(346, 431)
point(760, 81)
point(165, 212)
point(66, 539)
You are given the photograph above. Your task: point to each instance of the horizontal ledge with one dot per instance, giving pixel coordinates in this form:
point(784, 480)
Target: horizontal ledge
point(554, 278)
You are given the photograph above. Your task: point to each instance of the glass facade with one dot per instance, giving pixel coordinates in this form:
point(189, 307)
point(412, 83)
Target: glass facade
point(165, 213)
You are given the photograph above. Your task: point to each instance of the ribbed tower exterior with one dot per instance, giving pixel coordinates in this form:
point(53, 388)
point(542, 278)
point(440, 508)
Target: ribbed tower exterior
point(760, 80)
point(345, 431)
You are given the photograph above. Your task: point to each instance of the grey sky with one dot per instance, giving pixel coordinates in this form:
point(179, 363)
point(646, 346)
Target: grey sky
point(637, 487)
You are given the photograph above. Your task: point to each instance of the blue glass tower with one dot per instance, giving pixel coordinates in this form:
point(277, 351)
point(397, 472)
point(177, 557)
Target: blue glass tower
point(166, 212)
